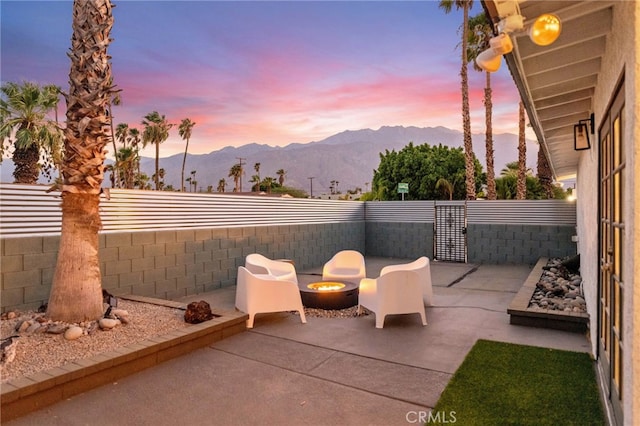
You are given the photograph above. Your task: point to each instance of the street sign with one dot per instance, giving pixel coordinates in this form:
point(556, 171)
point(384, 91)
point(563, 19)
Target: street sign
point(403, 188)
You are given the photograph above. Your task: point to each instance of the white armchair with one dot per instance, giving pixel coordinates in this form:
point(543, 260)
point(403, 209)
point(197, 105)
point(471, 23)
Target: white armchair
point(259, 293)
point(259, 264)
point(423, 268)
point(396, 292)
point(347, 265)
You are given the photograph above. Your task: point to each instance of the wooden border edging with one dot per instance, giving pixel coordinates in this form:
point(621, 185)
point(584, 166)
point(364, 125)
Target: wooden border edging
point(31, 393)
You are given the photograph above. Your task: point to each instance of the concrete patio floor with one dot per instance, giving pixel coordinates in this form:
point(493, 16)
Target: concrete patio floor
point(329, 371)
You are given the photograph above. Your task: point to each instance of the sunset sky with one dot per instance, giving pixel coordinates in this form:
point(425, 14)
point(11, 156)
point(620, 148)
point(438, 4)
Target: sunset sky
point(267, 72)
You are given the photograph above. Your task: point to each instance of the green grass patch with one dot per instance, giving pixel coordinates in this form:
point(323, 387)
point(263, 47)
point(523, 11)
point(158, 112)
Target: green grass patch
point(506, 384)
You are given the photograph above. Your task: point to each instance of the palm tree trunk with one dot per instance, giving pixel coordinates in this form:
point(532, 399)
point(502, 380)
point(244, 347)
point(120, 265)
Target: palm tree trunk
point(521, 187)
point(76, 288)
point(25, 160)
point(544, 173)
point(491, 173)
point(466, 119)
point(184, 161)
point(157, 177)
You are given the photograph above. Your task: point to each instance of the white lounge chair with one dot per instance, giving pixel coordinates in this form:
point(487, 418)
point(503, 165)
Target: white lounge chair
point(259, 293)
point(346, 265)
point(423, 268)
point(396, 292)
point(259, 264)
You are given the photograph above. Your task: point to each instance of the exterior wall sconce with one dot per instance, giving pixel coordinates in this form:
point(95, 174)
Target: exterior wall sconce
point(581, 134)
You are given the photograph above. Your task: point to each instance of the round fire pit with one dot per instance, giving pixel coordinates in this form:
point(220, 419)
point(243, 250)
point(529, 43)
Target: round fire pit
point(329, 294)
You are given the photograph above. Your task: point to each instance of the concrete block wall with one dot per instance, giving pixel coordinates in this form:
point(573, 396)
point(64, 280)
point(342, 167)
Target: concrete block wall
point(399, 239)
point(519, 244)
point(173, 263)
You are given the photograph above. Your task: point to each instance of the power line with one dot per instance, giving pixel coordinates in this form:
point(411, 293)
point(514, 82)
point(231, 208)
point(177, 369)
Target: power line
point(311, 182)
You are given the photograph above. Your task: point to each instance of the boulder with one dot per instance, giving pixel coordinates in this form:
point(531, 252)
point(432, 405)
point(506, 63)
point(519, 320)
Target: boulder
point(198, 312)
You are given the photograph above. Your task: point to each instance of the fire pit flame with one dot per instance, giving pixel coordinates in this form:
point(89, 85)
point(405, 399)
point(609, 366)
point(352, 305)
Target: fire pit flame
point(326, 286)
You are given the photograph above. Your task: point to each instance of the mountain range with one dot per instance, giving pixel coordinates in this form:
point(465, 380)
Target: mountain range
point(349, 158)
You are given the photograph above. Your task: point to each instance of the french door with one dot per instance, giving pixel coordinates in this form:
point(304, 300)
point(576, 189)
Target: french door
point(612, 238)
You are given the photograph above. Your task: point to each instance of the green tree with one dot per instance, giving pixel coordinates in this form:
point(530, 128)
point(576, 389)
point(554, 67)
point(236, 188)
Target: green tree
point(76, 290)
point(470, 178)
point(421, 167)
point(156, 131)
point(268, 183)
point(480, 32)
point(184, 130)
point(255, 180)
point(24, 124)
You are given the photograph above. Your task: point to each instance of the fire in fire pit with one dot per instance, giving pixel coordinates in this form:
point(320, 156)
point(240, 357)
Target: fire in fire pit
point(329, 294)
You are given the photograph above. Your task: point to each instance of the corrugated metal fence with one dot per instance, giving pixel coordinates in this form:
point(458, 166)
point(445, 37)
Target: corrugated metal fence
point(481, 212)
point(30, 210)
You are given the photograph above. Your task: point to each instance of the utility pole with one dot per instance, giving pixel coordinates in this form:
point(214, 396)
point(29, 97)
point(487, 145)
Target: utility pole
point(241, 164)
point(311, 182)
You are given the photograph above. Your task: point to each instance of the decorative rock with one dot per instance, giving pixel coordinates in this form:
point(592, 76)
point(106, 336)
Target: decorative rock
point(73, 332)
point(11, 315)
point(56, 329)
point(33, 327)
point(198, 312)
point(21, 327)
point(108, 323)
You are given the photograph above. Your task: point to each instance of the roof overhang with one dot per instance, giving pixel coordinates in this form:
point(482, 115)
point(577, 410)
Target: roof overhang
point(557, 82)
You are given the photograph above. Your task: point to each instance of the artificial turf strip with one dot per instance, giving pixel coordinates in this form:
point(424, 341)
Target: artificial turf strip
point(506, 384)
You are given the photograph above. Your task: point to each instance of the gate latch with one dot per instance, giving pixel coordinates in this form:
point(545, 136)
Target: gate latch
point(464, 230)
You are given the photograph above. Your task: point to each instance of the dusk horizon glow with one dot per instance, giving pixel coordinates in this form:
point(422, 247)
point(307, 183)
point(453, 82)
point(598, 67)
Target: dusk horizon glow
point(267, 72)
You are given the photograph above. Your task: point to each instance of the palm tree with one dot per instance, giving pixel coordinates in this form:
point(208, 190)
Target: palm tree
point(268, 182)
point(126, 160)
point(76, 291)
point(544, 173)
point(222, 185)
point(135, 140)
point(235, 172)
point(255, 180)
point(446, 186)
point(122, 133)
point(156, 131)
point(465, 5)
point(192, 181)
point(185, 129)
point(281, 174)
point(24, 124)
point(256, 167)
point(521, 192)
point(114, 100)
point(480, 32)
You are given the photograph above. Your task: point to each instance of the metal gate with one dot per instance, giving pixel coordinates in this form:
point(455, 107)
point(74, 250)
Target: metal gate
point(450, 233)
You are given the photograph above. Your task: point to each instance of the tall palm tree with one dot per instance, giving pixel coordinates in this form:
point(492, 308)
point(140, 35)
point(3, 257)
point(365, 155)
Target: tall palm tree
point(184, 130)
point(521, 192)
point(281, 174)
point(126, 167)
point(235, 172)
point(480, 32)
point(135, 140)
point(122, 133)
point(544, 173)
point(156, 131)
point(256, 167)
point(114, 100)
point(76, 291)
point(465, 5)
point(24, 124)
point(222, 184)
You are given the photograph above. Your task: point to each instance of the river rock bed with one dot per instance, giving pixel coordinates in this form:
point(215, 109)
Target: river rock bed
point(43, 344)
point(558, 289)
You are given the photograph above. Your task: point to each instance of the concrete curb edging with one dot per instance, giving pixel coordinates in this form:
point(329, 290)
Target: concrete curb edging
point(520, 313)
point(27, 394)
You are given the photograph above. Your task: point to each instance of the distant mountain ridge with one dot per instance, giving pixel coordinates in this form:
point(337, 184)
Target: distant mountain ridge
point(348, 157)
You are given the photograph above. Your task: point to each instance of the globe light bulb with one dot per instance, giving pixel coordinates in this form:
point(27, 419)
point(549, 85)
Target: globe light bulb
point(545, 30)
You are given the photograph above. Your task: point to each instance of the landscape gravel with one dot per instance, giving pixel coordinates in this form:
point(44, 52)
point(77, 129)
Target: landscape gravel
point(41, 350)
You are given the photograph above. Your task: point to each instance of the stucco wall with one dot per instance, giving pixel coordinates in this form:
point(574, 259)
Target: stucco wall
point(620, 61)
